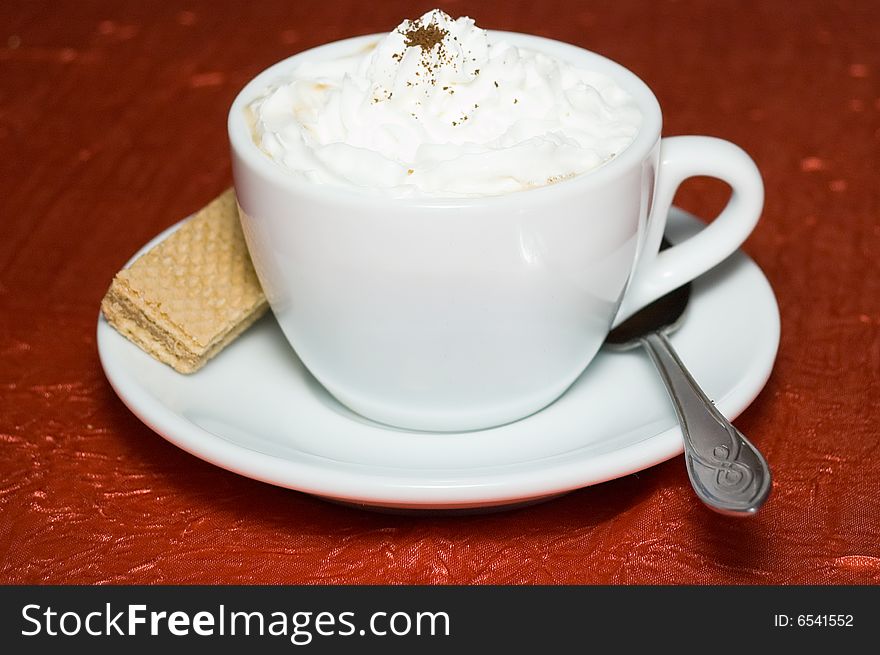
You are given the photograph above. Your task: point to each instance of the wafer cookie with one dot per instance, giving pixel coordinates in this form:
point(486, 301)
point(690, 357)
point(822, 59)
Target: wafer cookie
point(189, 296)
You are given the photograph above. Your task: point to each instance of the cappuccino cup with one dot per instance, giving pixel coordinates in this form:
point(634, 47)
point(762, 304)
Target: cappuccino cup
point(467, 312)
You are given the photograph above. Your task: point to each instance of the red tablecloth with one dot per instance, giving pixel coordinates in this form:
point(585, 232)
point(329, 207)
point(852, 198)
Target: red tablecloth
point(112, 127)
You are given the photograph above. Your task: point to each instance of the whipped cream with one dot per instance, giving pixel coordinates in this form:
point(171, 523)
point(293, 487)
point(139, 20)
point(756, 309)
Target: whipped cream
point(440, 108)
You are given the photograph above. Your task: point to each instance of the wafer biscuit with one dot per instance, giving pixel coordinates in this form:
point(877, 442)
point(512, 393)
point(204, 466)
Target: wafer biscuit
point(189, 296)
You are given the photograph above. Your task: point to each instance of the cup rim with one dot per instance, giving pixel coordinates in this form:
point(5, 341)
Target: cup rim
point(258, 162)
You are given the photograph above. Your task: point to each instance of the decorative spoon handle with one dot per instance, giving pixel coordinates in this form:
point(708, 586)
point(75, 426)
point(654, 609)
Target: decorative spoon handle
point(728, 473)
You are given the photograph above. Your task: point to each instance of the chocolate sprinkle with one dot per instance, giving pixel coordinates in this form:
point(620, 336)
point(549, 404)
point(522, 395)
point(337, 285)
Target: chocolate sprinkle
point(424, 36)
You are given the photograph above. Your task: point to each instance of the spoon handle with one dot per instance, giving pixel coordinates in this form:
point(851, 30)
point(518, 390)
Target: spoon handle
point(728, 473)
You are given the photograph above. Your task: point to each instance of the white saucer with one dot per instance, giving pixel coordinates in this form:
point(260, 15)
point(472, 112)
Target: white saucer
point(256, 411)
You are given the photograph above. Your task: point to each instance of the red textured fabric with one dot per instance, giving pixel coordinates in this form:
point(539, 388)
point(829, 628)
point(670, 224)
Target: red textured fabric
point(112, 127)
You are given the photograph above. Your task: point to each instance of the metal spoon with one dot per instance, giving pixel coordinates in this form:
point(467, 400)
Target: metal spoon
point(728, 473)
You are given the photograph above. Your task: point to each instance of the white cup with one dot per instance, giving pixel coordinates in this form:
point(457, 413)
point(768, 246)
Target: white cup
point(465, 313)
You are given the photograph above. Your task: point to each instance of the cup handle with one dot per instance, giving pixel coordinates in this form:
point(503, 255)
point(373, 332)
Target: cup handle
point(682, 157)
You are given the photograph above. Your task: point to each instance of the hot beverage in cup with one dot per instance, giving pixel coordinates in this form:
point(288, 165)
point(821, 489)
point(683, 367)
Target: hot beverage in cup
point(447, 221)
